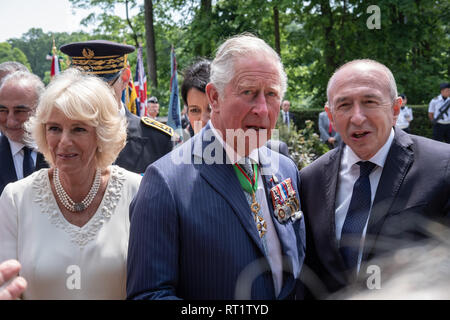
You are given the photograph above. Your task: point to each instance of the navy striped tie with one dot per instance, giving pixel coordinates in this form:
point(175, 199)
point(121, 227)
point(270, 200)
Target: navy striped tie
point(357, 215)
point(28, 163)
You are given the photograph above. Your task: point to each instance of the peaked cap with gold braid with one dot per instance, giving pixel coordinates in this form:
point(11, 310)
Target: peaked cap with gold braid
point(100, 57)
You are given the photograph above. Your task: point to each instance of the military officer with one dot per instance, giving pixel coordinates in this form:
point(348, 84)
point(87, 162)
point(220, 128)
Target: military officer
point(147, 139)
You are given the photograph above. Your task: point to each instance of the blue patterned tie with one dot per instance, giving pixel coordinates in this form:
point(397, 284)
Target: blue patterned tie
point(28, 163)
point(357, 215)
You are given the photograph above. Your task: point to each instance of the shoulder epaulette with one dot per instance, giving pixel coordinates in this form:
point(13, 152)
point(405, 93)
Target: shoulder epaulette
point(157, 125)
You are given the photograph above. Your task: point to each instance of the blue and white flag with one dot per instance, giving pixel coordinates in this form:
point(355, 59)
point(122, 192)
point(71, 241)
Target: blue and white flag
point(174, 115)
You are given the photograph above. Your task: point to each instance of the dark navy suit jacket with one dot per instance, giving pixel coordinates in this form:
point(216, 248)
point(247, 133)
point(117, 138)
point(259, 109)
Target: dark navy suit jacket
point(192, 233)
point(414, 187)
point(7, 169)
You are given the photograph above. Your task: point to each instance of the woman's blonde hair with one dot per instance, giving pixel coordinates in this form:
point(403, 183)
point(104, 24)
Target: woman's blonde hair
point(85, 98)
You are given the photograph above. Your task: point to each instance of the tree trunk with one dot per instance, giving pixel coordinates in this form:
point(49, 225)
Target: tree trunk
point(203, 48)
point(276, 23)
point(135, 37)
point(330, 43)
point(150, 42)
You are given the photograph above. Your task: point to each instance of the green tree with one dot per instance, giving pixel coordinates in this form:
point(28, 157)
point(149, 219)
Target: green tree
point(7, 53)
point(413, 42)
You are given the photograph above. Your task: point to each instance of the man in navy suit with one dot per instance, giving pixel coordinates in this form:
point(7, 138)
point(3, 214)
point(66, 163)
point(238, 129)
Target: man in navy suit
point(378, 192)
point(19, 94)
point(219, 217)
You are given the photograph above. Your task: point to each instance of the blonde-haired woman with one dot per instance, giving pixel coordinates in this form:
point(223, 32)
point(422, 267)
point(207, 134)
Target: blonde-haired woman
point(68, 226)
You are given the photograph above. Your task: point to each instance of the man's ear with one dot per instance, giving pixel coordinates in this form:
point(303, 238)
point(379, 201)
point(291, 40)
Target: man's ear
point(213, 97)
point(125, 77)
point(396, 108)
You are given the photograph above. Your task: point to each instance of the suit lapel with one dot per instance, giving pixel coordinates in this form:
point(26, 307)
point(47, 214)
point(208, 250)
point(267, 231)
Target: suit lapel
point(398, 162)
point(336, 264)
point(8, 171)
point(40, 162)
point(222, 178)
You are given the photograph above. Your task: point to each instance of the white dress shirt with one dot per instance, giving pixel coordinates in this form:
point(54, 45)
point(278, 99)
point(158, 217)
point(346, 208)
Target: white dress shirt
point(348, 174)
point(274, 254)
point(286, 119)
point(17, 155)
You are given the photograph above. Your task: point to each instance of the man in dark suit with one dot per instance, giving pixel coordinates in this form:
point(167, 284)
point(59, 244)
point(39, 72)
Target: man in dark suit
point(19, 94)
point(209, 221)
point(378, 191)
point(147, 139)
point(286, 116)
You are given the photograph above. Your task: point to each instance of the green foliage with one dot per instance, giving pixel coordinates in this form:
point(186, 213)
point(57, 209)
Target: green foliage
point(7, 53)
point(301, 115)
point(413, 42)
point(421, 125)
point(304, 144)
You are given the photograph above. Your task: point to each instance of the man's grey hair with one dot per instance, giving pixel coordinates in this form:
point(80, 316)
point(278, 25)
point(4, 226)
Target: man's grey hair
point(24, 79)
point(243, 45)
point(10, 67)
point(392, 85)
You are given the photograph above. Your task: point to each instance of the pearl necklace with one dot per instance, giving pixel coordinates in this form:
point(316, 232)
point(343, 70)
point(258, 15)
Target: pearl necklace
point(67, 201)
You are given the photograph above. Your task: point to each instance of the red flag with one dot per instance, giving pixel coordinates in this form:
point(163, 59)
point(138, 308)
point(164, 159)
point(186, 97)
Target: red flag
point(55, 69)
point(55, 66)
point(140, 83)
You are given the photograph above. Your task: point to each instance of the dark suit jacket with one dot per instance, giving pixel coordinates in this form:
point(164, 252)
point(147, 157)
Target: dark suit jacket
point(414, 186)
point(192, 233)
point(7, 169)
point(145, 145)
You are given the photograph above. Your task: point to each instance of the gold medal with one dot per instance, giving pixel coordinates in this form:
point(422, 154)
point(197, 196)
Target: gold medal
point(255, 205)
point(261, 224)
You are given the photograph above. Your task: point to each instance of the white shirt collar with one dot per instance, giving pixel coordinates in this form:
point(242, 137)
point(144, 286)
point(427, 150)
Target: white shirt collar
point(379, 158)
point(232, 155)
point(15, 147)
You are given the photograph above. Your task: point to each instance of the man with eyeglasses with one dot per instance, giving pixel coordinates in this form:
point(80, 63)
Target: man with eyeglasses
point(19, 94)
point(147, 139)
